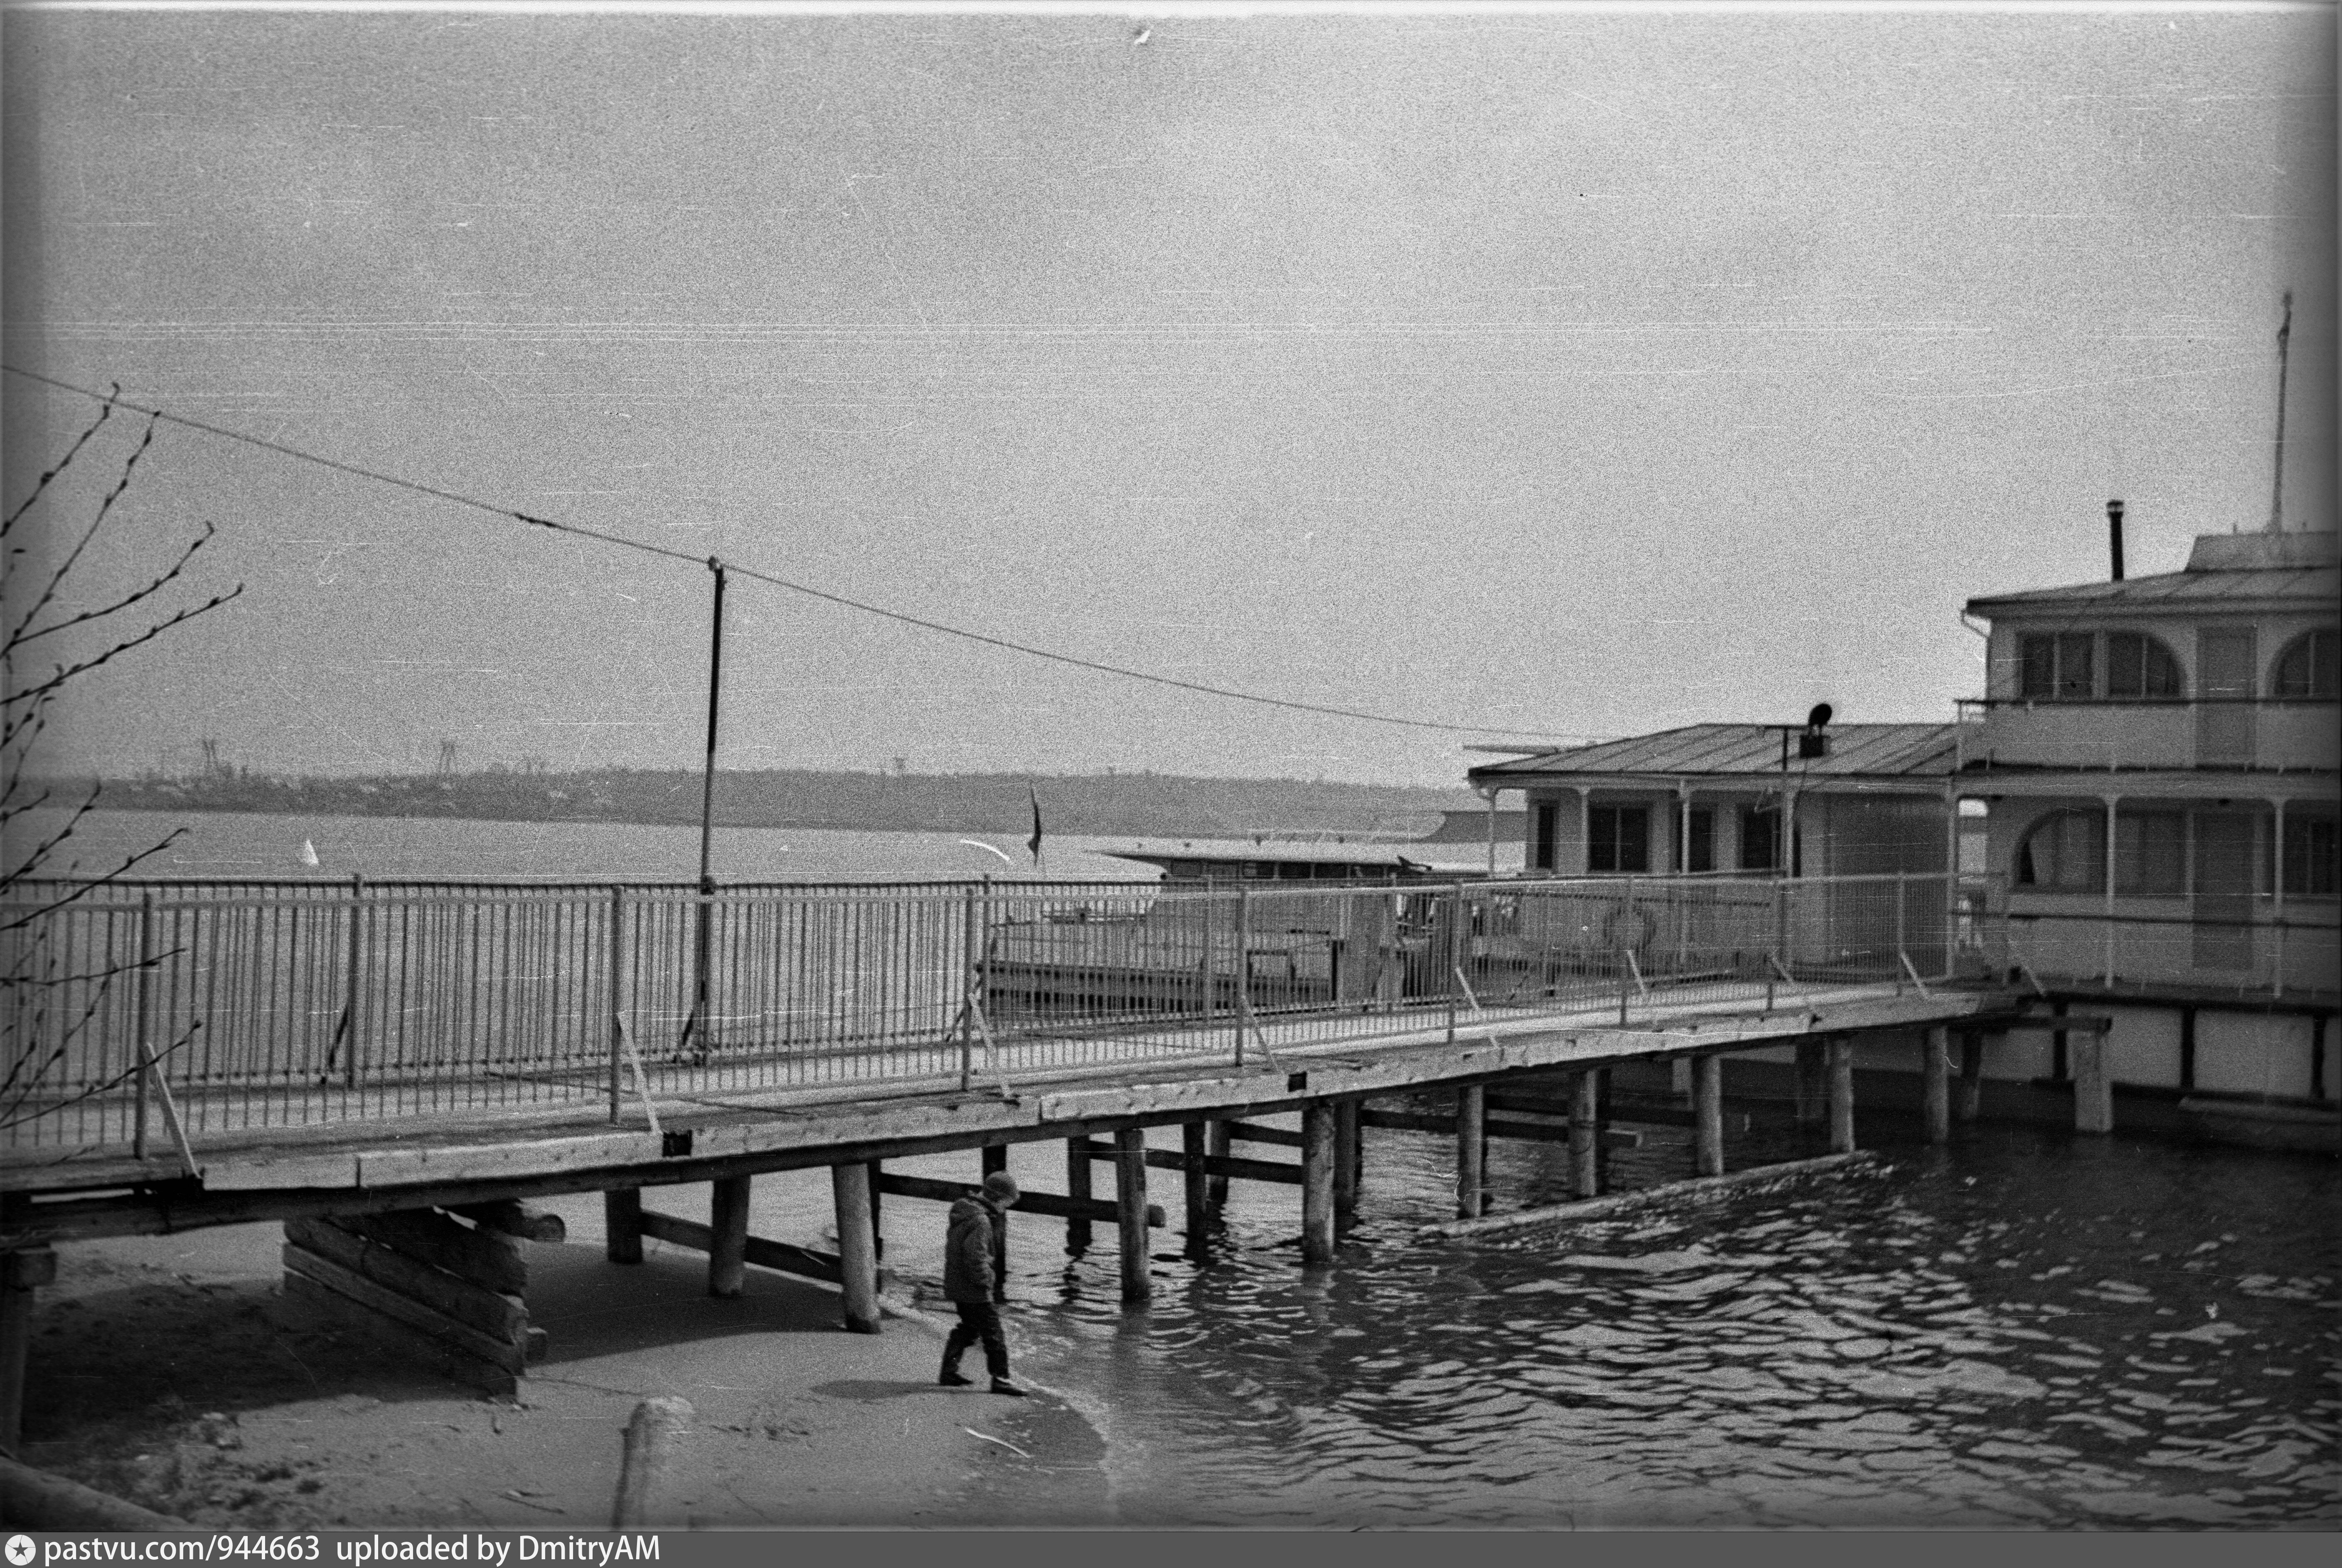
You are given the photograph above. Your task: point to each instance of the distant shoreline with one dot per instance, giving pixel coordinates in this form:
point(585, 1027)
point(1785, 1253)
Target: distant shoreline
point(1091, 806)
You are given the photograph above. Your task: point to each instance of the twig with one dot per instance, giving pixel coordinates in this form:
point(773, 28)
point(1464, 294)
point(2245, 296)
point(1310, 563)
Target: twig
point(1009, 1446)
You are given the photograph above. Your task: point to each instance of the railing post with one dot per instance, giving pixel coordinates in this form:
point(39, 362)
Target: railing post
point(146, 1045)
point(353, 982)
point(1455, 955)
point(1902, 933)
point(1243, 990)
point(616, 948)
point(1626, 928)
point(1207, 968)
point(971, 942)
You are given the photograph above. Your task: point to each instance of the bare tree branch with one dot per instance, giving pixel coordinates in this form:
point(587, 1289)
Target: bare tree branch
point(105, 412)
point(152, 589)
point(66, 672)
point(104, 508)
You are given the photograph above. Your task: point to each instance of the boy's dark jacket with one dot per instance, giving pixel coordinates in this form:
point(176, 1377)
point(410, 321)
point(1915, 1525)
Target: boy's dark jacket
point(968, 1251)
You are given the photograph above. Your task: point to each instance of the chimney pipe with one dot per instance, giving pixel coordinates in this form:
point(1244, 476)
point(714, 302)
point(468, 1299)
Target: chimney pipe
point(2114, 536)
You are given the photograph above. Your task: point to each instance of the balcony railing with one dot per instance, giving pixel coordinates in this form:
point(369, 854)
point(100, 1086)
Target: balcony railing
point(2152, 733)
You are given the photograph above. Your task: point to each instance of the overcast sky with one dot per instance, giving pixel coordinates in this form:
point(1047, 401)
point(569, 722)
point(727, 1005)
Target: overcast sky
point(1570, 372)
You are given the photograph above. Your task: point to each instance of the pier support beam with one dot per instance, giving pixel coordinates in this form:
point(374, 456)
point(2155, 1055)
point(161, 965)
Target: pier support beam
point(1130, 1212)
point(1839, 1058)
point(2094, 1097)
point(1680, 1073)
point(850, 1187)
point(1471, 1148)
point(1349, 1163)
point(995, 1158)
point(727, 1227)
point(878, 1211)
point(622, 1224)
point(1810, 1092)
point(1078, 1185)
point(1194, 1140)
point(20, 1272)
point(1222, 1143)
point(1317, 1182)
point(1935, 1084)
point(1586, 1135)
point(1707, 1113)
point(1969, 1103)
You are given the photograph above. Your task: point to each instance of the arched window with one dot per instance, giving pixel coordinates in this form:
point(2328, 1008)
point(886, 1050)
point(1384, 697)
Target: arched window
point(2065, 852)
point(2139, 667)
point(2308, 666)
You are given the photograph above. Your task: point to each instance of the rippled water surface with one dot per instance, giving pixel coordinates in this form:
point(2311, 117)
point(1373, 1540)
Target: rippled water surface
point(2030, 1329)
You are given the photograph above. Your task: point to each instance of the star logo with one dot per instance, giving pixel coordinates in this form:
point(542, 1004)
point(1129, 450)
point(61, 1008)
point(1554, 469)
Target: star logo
point(20, 1550)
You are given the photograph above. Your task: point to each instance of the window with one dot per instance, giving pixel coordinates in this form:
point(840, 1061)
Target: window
point(2058, 667)
point(2137, 666)
point(1760, 838)
point(2309, 666)
point(1617, 838)
point(2065, 852)
point(1698, 852)
point(2150, 854)
point(1541, 826)
point(2310, 858)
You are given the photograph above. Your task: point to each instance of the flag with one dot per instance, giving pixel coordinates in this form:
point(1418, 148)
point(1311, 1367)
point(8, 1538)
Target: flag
point(1034, 843)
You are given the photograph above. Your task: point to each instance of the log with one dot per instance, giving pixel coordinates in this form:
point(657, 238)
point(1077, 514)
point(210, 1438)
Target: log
point(646, 1464)
point(1130, 1209)
point(493, 1313)
point(505, 1351)
point(622, 1224)
point(857, 1255)
point(522, 1222)
point(488, 1259)
point(781, 1257)
point(727, 1229)
point(1471, 1124)
point(1317, 1182)
point(33, 1499)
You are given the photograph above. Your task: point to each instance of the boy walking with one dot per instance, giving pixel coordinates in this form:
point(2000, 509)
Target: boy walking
point(975, 1253)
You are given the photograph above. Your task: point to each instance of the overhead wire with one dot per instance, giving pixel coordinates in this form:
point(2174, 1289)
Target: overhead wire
point(115, 400)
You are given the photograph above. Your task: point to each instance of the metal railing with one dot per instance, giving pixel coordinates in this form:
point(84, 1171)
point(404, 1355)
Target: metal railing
point(174, 1016)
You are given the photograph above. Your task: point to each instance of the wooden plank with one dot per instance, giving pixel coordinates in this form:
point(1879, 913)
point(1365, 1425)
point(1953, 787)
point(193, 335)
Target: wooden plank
point(1700, 1190)
point(543, 1155)
point(781, 1257)
point(522, 1222)
point(440, 1356)
point(424, 1319)
point(1254, 1133)
point(489, 1260)
point(1243, 1169)
point(493, 1313)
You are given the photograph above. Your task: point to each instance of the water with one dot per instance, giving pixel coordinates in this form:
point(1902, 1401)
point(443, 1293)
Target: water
point(2025, 1329)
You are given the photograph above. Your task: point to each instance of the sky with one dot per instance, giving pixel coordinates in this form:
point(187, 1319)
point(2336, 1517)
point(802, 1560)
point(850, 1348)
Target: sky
point(1540, 371)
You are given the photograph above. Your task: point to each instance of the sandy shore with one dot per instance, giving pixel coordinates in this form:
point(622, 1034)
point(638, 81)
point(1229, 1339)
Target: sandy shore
point(173, 1372)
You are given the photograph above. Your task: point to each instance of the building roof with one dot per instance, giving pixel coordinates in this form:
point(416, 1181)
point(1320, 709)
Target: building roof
point(1865, 750)
point(2178, 590)
point(2223, 570)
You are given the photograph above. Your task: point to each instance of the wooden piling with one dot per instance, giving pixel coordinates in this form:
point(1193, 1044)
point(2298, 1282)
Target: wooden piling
point(1586, 1135)
point(1970, 1101)
point(1222, 1143)
point(1317, 1182)
point(1810, 1092)
point(1349, 1163)
point(2094, 1100)
point(878, 1211)
point(1839, 1062)
point(20, 1274)
point(622, 1224)
point(1130, 1212)
point(1935, 1084)
point(1078, 1185)
point(727, 1225)
point(1471, 1148)
point(1196, 1181)
point(1707, 1113)
point(647, 1464)
point(857, 1252)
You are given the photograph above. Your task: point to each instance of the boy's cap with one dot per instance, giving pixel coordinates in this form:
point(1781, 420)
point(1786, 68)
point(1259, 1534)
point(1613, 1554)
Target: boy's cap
point(1000, 1185)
